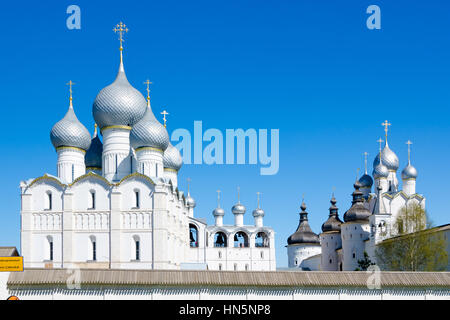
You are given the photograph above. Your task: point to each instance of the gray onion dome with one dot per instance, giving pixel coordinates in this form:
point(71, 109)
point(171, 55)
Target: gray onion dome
point(190, 202)
point(218, 212)
point(304, 234)
point(358, 211)
point(119, 103)
point(258, 212)
point(148, 132)
point(172, 158)
point(70, 132)
point(409, 172)
point(333, 223)
point(93, 157)
point(388, 157)
point(238, 208)
point(380, 171)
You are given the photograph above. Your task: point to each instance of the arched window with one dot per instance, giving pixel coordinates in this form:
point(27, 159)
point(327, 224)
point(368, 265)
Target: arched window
point(235, 267)
point(92, 199)
point(220, 254)
point(220, 267)
point(296, 261)
point(262, 254)
point(220, 240)
point(48, 200)
point(50, 248)
point(246, 267)
point(93, 248)
point(136, 197)
point(261, 240)
point(240, 240)
point(137, 245)
point(193, 236)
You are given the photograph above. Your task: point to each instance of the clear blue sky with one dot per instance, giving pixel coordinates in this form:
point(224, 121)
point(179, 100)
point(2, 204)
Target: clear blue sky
point(309, 68)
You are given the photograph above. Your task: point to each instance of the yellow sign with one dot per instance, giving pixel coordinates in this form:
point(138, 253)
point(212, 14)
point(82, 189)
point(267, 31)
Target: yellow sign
point(10, 264)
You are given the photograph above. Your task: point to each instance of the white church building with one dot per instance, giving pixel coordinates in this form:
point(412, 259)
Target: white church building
point(370, 219)
point(115, 203)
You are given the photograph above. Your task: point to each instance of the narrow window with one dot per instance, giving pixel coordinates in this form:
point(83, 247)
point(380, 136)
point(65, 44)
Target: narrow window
point(116, 163)
point(137, 198)
point(51, 250)
point(49, 195)
point(73, 172)
point(331, 261)
point(246, 267)
point(235, 267)
point(220, 267)
point(94, 250)
point(354, 255)
point(138, 253)
point(220, 254)
point(92, 200)
point(262, 254)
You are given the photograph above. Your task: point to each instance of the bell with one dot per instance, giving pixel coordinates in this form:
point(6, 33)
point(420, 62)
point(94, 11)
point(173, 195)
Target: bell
point(220, 239)
point(191, 236)
point(235, 237)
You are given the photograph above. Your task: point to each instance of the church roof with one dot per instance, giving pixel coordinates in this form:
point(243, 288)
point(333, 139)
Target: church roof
point(333, 223)
point(304, 234)
point(357, 212)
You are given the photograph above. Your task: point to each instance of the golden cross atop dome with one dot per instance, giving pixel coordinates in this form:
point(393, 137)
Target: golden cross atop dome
point(409, 143)
point(386, 126)
point(121, 28)
point(165, 113)
point(70, 84)
point(148, 83)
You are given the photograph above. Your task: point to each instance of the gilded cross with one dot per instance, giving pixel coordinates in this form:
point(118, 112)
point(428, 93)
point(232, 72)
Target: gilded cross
point(386, 126)
point(70, 84)
point(121, 28)
point(165, 113)
point(148, 83)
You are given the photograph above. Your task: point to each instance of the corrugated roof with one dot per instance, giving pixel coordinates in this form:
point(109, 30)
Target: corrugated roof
point(51, 277)
point(8, 252)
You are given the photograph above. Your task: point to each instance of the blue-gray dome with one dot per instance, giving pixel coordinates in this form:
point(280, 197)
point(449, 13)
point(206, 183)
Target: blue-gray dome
point(119, 103)
point(304, 234)
point(380, 171)
point(238, 208)
point(258, 212)
point(357, 212)
point(70, 132)
point(388, 157)
point(148, 132)
point(409, 172)
point(93, 157)
point(333, 224)
point(218, 212)
point(366, 181)
point(190, 202)
point(172, 158)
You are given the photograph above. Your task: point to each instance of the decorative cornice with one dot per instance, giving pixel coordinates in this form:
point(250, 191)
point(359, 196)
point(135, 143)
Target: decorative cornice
point(93, 168)
point(47, 177)
point(149, 148)
point(135, 174)
point(90, 174)
point(115, 127)
point(171, 170)
point(71, 148)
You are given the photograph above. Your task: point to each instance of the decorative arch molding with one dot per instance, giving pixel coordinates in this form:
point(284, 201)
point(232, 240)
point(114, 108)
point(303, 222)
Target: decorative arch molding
point(135, 175)
point(93, 175)
point(48, 178)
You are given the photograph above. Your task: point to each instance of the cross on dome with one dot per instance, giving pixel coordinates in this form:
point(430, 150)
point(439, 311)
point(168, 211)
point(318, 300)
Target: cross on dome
point(121, 28)
point(165, 113)
point(409, 143)
point(386, 126)
point(70, 84)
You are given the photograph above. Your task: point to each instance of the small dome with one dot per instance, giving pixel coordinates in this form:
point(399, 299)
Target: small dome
point(388, 157)
point(366, 181)
point(190, 202)
point(333, 223)
point(148, 132)
point(358, 211)
point(218, 212)
point(258, 212)
point(409, 172)
point(380, 171)
point(93, 157)
point(119, 103)
point(238, 208)
point(304, 234)
point(70, 132)
point(172, 158)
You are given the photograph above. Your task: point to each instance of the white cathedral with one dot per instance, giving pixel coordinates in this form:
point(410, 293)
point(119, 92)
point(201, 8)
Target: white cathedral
point(117, 205)
point(370, 219)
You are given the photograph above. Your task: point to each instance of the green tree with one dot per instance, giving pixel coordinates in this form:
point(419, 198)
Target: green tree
point(413, 246)
point(364, 264)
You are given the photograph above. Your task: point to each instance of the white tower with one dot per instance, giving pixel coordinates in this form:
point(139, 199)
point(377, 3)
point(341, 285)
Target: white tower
point(330, 240)
point(409, 175)
point(71, 140)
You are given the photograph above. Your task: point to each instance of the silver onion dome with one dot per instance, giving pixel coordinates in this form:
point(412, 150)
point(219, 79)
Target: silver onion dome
point(409, 172)
point(366, 181)
point(172, 158)
point(190, 202)
point(93, 157)
point(119, 103)
point(258, 212)
point(380, 171)
point(238, 208)
point(148, 132)
point(388, 157)
point(70, 132)
point(218, 212)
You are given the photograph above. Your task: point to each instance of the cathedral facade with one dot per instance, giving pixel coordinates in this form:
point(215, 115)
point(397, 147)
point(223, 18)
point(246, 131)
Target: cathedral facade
point(376, 205)
point(115, 203)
